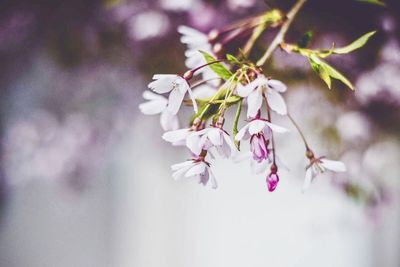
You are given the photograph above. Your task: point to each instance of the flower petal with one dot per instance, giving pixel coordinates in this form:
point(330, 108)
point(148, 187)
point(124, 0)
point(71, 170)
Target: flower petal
point(214, 135)
point(277, 85)
point(176, 136)
point(168, 121)
point(276, 128)
point(276, 102)
point(175, 100)
point(333, 165)
point(254, 102)
point(153, 106)
point(256, 126)
point(308, 179)
point(245, 90)
point(243, 133)
point(193, 99)
point(193, 143)
point(181, 165)
point(197, 169)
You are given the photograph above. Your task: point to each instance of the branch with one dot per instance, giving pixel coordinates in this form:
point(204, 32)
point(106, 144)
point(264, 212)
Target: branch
point(279, 38)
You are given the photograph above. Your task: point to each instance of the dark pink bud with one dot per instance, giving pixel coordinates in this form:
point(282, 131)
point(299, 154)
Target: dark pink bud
point(258, 147)
point(272, 181)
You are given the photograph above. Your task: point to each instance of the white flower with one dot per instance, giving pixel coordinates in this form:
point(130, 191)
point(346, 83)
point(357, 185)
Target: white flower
point(255, 90)
point(186, 137)
point(217, 138)
point(196, 168)
point(197, 41)
point(320, 165)
point(158, 104)
point(176, 85)
point(258, 126)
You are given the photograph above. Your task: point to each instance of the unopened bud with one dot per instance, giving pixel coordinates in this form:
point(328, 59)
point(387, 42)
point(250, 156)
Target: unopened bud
point(188, 75)
point(213, 35)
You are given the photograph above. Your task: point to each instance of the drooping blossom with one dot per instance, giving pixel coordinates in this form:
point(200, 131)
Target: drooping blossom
point(262, 86)
point(216, 137)
point(320, 165)
point(258, 126)
point(259, 147)
point(186, 136)
point(174, 84)
point(195, 168)
point(157, 104)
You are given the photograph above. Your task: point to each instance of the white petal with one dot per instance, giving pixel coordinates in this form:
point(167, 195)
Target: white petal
point(231, 145)
point(259, 167)
point(254, 102)
point(244, 91)
point(176, 136)
point(153, 107)
point(308, 179)
point(193, 143)
point(163, 83)
point(243, 133)
point(168, 121)
point(277, 85)
point(333, 165)
point(214, 184)
point(197, 169)
point(276, 128)
point(175, 101)
point(193, 100)
point(215, 137)
point(276, 102)
point(256, 126)
point(181, 165)
point(149, 95)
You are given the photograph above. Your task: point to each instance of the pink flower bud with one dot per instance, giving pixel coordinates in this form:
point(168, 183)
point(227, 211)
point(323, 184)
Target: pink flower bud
point(258, 147)
point(272, 181)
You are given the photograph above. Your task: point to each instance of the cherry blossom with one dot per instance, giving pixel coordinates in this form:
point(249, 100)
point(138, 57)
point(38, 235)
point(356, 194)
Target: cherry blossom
point(219, 139)
point(174, 84)
point(195, 168)
point(157, 104)
point(260, 87)
point(320, 165)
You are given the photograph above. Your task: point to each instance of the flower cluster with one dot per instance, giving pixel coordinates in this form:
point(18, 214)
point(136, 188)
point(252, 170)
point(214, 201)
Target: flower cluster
point(217, 81)
point(207, 137)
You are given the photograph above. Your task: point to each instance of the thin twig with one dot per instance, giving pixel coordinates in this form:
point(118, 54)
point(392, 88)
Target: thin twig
point(279, 38)
point(300, 132)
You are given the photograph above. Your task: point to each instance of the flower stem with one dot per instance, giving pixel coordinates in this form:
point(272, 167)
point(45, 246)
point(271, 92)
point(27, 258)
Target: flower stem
point(299, 131)
point(272, 134)
point(279, 38)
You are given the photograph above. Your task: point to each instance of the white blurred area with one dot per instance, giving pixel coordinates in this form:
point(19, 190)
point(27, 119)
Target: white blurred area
point(130, 213)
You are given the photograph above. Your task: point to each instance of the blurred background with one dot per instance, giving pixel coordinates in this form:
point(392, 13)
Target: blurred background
point(85, 178)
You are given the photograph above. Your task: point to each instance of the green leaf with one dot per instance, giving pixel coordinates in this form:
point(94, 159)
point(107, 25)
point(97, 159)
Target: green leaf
point(326, 72)
point(217, 67)
point(337, 75)
point(360, 42)
point(232, 59)
point(374, 2)
point(318, 66)
point(236, 121)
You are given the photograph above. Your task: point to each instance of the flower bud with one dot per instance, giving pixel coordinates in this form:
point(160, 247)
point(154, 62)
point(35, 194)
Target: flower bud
point(272, 181)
